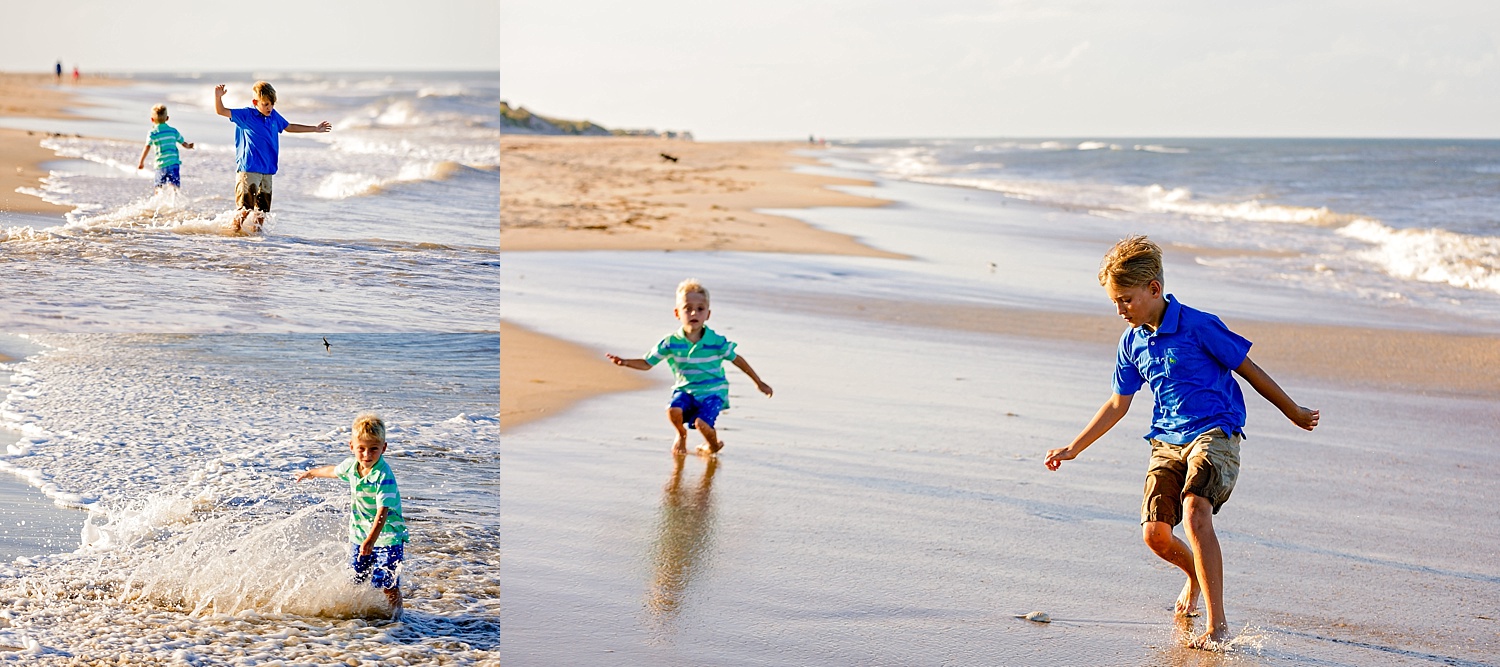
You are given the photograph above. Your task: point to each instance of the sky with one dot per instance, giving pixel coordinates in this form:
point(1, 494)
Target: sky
point(787, 69)
point(199, 36)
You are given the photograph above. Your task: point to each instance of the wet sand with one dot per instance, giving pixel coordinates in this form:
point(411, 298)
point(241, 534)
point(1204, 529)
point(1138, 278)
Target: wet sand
point(21, 156)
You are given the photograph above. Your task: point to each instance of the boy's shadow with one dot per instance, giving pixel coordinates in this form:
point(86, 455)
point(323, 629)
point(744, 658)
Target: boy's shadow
point(684, 538)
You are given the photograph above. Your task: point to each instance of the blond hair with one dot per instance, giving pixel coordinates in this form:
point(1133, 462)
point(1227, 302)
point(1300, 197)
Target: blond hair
point(264, 91)
point(159, 113)
point(689, 286)
point(369, 425)
point(1133, 262)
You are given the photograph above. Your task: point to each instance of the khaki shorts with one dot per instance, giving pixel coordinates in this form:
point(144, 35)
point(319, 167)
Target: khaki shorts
point(1207, 467)
point(252, 190)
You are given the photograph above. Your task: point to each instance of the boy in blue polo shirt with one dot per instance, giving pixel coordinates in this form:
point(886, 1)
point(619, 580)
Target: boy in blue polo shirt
point(165, 139)
point(1187, 357)
point(257, 145)
point(696, 355)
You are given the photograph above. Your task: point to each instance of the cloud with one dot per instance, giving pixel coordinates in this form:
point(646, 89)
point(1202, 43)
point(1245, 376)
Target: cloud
point(1049, 64)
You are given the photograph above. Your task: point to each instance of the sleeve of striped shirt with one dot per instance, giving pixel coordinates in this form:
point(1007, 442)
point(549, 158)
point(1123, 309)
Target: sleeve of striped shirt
point(661, 351)
point(345, 469)
point(729, 350)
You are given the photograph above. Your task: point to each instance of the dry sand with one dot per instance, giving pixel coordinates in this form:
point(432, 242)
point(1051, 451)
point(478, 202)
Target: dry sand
point(608, 193)
point(21, 155)
point(540, 376)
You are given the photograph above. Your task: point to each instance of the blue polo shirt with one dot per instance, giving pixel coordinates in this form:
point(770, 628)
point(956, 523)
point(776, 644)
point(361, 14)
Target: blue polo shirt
point(257, 139)
point(1189, 362)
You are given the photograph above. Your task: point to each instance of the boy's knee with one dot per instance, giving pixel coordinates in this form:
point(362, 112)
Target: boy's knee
point(1157, 535)
point(1198, 512)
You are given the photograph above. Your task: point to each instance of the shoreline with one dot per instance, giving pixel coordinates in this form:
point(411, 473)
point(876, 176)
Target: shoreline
point(24, 95)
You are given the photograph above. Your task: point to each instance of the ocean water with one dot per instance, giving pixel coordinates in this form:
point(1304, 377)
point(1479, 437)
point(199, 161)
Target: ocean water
point(1373, 220)
point(390, 220)
point(192, 543)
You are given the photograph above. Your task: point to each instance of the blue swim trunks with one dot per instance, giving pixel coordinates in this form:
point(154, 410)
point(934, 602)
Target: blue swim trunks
point(382, 568)
point(693, 409)
point(170, 174)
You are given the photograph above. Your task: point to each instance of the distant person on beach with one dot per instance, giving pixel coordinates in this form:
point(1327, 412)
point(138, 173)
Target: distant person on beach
point(75, 74)
point(165, 139)
point(696, 355)
point(257, 145)
point(59, 71)
point(377, 528)
point(1187, 357)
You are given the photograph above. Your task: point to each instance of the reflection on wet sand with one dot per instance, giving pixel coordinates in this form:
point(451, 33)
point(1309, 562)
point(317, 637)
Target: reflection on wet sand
point(684, 536)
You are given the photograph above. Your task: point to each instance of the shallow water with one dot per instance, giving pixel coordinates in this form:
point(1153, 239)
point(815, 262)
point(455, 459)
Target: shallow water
point(889, 505)
point(199, 545)
point(389, 221)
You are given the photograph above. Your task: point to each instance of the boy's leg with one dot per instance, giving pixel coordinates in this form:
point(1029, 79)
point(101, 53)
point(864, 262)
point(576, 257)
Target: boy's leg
point(1208, 561)
point(679, 446)
point(393, 596)
point(708, 415)
point(711, 443)
point(1158, 536)
point(1161, 509)
point(1213, 469)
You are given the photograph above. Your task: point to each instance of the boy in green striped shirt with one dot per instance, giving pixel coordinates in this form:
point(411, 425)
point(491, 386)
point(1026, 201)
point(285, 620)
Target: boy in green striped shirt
point(696, 355)
point(377, 528)
point(165, 139)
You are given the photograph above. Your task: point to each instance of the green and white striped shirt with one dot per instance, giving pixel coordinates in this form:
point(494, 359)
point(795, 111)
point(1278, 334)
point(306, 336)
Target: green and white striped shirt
point(369, 493)
point(699, 367)
point(165, 138)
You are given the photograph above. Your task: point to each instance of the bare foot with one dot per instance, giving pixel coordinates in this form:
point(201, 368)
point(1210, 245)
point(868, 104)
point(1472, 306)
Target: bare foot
point(711, 448)
point(1187, 602)
point(679, 446)
point(1215, 639)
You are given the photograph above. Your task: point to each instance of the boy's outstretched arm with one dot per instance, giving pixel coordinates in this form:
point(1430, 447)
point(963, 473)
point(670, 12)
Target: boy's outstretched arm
point(1105, 419)
point(1305, 418)
point(219, 107)
point(324, 126)
point(638, 364)
point(740, 363)
point(325, 471)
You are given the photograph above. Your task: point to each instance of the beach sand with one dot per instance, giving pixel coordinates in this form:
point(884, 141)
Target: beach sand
point(21, 155)
point(541, 376)
point(597, 193)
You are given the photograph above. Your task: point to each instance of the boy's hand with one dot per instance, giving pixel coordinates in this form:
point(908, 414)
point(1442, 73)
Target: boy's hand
point(619, 361)
point(219, 90)
point(325, 126)
point(188, 145)
point(1055, 457)
point(304, 475)
point(1305, 418)
point(141, 164)
point(365, 548)
point(764, 388)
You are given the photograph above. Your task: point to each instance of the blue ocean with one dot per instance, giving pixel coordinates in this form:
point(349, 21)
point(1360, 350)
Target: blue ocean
point(1387, 220)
